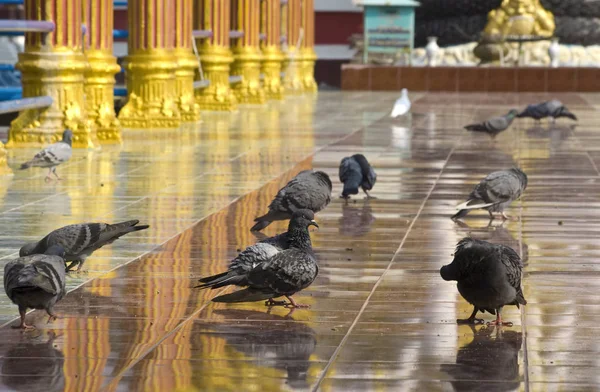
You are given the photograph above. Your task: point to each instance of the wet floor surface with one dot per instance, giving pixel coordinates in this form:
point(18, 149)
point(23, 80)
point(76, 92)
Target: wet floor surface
point(381, 318)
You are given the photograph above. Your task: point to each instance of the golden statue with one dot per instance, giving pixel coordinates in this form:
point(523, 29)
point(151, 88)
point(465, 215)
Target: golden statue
point(520, 18)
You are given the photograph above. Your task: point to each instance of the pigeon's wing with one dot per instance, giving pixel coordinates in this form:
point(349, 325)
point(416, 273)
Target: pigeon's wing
point(75, 238)
point(287, 272)
point(252, 256)
point(536, 111)
point(303, 191)
point(497, 187)
point(401, 107)
point(40, 271)
point(513, 264)
point(497, 123)
point(370, 179)
point(280, 241)
point(53, 155)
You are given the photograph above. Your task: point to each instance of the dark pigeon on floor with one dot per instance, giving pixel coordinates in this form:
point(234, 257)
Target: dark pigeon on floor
point(308, 190)
point(494, 125)
point(81, 240)
point(355, 172)
point(553, 109)
point(494, 193)
point(36, 281)
point(488, 276)
point(284, 274)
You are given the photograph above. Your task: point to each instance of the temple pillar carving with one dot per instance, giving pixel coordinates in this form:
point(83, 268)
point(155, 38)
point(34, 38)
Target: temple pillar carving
point(292, 24)
point(272, 62)
point(308, 55)
point(187, 63)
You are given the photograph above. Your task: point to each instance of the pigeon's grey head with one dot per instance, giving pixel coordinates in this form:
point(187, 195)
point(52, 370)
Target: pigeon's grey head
point(28, 249)
point(67, 137)
point(404, 92)
point(303, 219)
point(522, 177)
point(466, 250)
point(55, 250)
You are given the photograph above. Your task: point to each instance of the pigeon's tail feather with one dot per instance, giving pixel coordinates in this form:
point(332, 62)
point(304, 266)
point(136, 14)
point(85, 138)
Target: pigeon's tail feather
point(25, 165)
point(566, 113)
point(520, 298)
point(476, 128)
point(220, 280)
point(261, 223)
point(460, 214)
point(213, 277)
point(473, 204)
point(245, 295)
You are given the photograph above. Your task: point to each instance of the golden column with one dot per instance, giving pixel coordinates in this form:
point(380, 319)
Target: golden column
point(307, 51)
point(100, 76)
point(272, 64)
point(245, 17)
point(187, 63)
point(53, 64)
point(292, 22)
point(215, 54)
point(150, 66)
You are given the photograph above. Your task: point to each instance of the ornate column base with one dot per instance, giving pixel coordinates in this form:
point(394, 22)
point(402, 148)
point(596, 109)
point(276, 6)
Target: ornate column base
point(307, 71)
point(292, 80)
point(151, 85)
point(215, 65)
point(184, 89)
point(271, 68)
point(99, 93)
point(4, 168)
point(247, 65)
point(61, 76)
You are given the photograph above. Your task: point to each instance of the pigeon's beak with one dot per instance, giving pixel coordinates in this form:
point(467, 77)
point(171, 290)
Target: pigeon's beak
point(313, 223)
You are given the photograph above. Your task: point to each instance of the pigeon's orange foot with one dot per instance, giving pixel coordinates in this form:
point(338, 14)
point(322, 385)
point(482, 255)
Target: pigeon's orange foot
point(24, 327)
point(500, 323)
point(294, 304)
point(470, 320)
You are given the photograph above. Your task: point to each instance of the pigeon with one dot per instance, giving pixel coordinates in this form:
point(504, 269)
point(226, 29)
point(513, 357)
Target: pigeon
point(488, 276)
point(308, 190)
point(36, 282)
point(553, 109)
point(255, 254)
point(284, 274)
point(494, 193)
point(81, 240)
point(355, 171)
point(402, 105)
point(53, 155)
point(494, 125)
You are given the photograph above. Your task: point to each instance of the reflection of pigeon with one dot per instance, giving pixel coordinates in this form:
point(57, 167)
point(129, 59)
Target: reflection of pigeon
point(494, 125)
point(33, 366)
point(53, 155)
point(81, 240)
point(355, 172)
point(271, 340)
point(499, 235)
point(553, 109)
point(249, 258)
point(308, 190)
point(488, 276)
point(284, 274)
point(487, 363)
point(356, 221)
point(402, 105)
point(36, 282)
point(494, 193)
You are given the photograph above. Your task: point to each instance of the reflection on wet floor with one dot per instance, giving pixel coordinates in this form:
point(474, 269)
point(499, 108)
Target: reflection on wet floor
point(381, 316)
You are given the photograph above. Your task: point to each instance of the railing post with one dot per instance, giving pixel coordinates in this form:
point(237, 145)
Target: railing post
point(187, 63)
point(150, 66)
point(272, 63)
point(307, 51)
point(53, 64)
point(245, 17)
point(215, 54)
point(100, 76)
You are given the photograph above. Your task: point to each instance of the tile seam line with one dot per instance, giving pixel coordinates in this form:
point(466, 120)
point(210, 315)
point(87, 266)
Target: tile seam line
point(170, 333)
point(376, 285)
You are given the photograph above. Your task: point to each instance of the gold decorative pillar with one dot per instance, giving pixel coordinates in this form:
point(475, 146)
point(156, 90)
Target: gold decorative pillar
point(150, 66)
point(292, 80)
point(187, 64)
point(53, 64)
point(100, 75)
point(270, 25)
point(215, 54)
point(245, 17)
point(307, 51)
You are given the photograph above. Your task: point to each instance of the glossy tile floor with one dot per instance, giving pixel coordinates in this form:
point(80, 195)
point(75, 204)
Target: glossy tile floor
point(381, 316)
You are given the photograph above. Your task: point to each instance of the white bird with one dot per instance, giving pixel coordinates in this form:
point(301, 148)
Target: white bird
point(402, 105)
point(53, 155)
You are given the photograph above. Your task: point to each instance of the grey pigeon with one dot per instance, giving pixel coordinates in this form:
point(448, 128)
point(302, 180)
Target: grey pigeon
point(81, 240)
point(494, 193)
point(284, 274)
point(488, 276)
point(494, 125)
point(355, 172)
point(553, 109)
point(308, 190)
point(249, 258)
point(36, 281)
point(53, 155)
